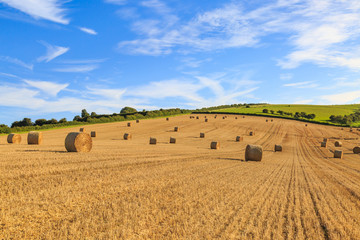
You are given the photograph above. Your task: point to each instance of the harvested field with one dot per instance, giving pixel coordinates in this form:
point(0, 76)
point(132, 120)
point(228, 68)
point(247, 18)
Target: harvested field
point(134, 190)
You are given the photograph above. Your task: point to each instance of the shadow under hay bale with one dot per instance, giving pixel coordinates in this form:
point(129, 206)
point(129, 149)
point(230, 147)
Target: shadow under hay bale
point(34, 138)
point(176, 129)
point(14, 138)
point(252, 133)
point(215, 145)
point(78, 142)
point(202, 135)
point(253, 153)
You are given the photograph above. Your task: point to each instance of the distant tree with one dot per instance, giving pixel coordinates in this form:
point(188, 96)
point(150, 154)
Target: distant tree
point(280, 112)
point(272, 111)
point(84, 113)
point(63, 120)
point(265, 110)
point(52, 121)
point(93, 114)
point(247, 106)
point(40, 122)
point(77, 118)
point(128, 110)
point(23, 123)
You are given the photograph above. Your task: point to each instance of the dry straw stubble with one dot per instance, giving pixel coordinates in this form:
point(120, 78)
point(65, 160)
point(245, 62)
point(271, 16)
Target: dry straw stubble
point(35, 137)
point(78, 142)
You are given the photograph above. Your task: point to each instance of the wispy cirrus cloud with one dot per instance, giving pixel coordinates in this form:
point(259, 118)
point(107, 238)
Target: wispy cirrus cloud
point(17, 62)
point(88, 30)
point(306, 84)
point(49, 88)
point(342, 98)
point(322, 32)
point(117, 2)
point(52, 52)
point(50, 10)
point(79, 68)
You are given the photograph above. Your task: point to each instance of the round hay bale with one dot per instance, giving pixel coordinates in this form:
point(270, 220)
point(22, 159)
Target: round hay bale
point(197, 117)
point(167, 119)
point(206, 120)
point(235, 117)
point(338, 144)
point(78, 142)
point(253, 152)
point(325, 139)
point(14, 138)
point(176, 129)
point(323, 144)
point(278, 148)
point(202, 135)
point(267, 120)
point(223, 117)
point(271, 120)
point(342, 128)
point(243, 116)
point(129, 124)
point(305, 125)
point(93, 134)
point(172, 140)
point(127, 136)
point(215, 145)
point(356, 150)
point(239, 138)
point(82, 129)
point(137, 120)
point(338, 154)
point(153, 141)
point(34, 137)
point(251, 133)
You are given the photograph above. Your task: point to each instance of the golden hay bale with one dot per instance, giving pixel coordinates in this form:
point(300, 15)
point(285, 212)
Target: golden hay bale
point(82, 129)
point(278, 148)
point(325, 139)
point(342, 128)
point(267, 120)
point(338, 154)
point(78, 142)
point(305, 125)
point(338, 144)
point(215, 145)
point(167, 119)
point(202, 135)
point(14, 138)
point(253, 152)
point(129, 124)
point(137, 120)
point(223, 117)
point(127, 136)
point(34, 137)
point(172, 140)
point(206, 120)
point(197, 117)
point(239, 138)
point(235, 117)
point(356, 150)
point(251, 133)
point(93, 134)
point(153, 140)
point(176, 129)
point(271, 120)
point(324, 144)
point(205, 117)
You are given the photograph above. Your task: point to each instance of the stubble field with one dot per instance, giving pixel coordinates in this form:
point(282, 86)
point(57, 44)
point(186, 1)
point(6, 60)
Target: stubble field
point(134, 190)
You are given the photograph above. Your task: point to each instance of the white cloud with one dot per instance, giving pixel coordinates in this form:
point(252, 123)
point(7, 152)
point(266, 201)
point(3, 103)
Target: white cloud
point(82, 68)
point(116, 94)
point(52, 52)
point(49, 88)
point(88, 31)
point(17, 62)
point(306, 84)
point(342, 98)
point(46, 9)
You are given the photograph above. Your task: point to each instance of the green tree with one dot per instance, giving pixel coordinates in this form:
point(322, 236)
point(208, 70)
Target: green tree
point(128, 110)
point(265, 110)
point(84, 113)
point(40, 122)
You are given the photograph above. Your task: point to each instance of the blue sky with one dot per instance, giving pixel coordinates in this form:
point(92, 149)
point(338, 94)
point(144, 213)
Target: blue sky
point(58, 57)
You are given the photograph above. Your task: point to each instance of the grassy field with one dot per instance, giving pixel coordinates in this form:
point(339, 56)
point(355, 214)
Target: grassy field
point(322, 112)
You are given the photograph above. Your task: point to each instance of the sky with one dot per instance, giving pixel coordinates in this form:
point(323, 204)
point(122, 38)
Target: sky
point(58, 57)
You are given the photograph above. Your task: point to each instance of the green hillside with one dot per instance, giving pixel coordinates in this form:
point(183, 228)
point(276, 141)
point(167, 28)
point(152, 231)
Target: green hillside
point(322, 112)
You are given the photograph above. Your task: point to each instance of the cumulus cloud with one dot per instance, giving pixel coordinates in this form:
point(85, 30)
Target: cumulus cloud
point(50, 10)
